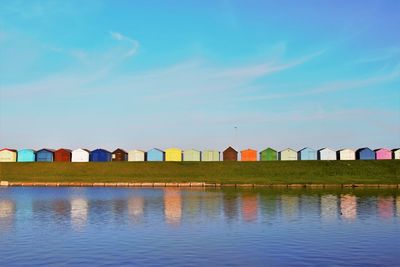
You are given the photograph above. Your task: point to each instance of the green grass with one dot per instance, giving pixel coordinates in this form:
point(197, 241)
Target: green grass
point(278, 172)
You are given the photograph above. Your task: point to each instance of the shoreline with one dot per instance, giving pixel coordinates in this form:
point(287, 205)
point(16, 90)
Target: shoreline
point(192, 184)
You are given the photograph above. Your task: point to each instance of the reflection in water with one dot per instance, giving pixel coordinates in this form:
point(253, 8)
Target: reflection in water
point(230, 204)
point(172, 205)
point(398, 206)
point(212, 203)
point(329, 207)
point(191, 203)
point(136, 207)
point(249, 207)
point(7, 212)
point(348, 206)
point(79, 212)
point(385, 207)
point(61, 208)
point(289, 206)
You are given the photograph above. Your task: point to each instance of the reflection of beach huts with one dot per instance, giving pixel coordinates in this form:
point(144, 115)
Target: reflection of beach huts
point(346, 154)
point(210, 155)
point(230, 205)
point(8, 155)
point(385, 207)
point(326, 154)
point(248, 155)
point(287, 154)
point(155, 155)
point(136, 207)
point(7, 209)
point(229, 154)
point(7, 212)
point(173, 154)
point(79, 212)
point(268, 154)
point(289, 206)
point(136, 155)
point(26, 155)
point(398, 206)
point(396, 153)
point(80, 155)
point(45, 155)
point(329, 207)
point(62, 154)
point(365, 154)
point(307, 154)
point(191, 155)
point(172, 205)
point(119, 155)
point(100, 155)
point(383, 153)
point(348, 206)
point(249, 207)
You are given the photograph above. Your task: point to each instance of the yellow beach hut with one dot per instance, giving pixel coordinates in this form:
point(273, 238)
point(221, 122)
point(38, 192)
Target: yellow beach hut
point(8, 155)
point(173, 154)
point(288, 154)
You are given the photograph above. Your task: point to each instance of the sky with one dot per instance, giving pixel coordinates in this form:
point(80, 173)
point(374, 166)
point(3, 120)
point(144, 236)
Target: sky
point(199, 74)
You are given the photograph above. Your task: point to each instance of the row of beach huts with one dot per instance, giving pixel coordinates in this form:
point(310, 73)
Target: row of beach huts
point(176, 154)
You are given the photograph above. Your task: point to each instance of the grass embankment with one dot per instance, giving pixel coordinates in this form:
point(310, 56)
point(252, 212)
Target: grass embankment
point(276, 172)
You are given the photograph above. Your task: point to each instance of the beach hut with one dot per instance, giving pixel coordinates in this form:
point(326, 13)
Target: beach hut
point(248, 155)
point(119, 155)
point(155, 155)
point(346, 154)
point(8, 155)
point(80, 155)
point(45, 155)
point(26, 155)
point(173, 154)
point(229, 154)
point(63, 155)
point(365, 154)
point(307, 154)
point(136, 155)
point(326, 154)
point(288, 154)
point(100, 155)
point(210, 155)
point(268, 154)
point(383, 153)
point(396, 154)
point(191, 155)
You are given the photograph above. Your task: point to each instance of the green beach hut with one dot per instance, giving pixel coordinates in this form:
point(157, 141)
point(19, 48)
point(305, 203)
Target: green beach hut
point(268, 154)
point(191, 155)
point(210, 155)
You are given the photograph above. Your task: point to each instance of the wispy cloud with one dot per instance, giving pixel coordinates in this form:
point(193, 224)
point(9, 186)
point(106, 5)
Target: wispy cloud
point(134, 43)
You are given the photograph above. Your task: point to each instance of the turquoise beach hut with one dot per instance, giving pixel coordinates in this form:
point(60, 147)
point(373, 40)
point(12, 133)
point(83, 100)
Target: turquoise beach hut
point(307, 154)
point(155, 155)
point(45, 155)
point(26, 155)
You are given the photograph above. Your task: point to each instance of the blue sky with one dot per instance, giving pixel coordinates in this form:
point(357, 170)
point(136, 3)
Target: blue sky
point(143, 74)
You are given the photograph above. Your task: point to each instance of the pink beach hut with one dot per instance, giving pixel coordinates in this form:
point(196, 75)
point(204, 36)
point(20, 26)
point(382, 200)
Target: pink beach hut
point(383, 153)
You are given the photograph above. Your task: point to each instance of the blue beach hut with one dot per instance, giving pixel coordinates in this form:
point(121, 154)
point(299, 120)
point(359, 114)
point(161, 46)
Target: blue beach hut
point(155, 155)
point(26, 155)
point(365, 154)
point(44, 155)
point(307, 154)
point(100, 155)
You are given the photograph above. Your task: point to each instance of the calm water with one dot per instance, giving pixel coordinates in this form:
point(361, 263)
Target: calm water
point(187, 227)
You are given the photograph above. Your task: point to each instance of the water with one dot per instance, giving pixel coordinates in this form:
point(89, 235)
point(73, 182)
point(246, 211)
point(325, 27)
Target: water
point(188, 227)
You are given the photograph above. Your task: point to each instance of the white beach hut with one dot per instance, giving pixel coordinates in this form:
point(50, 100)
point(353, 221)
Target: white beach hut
point(326, 154)
point(80, 155)
point(346, 154)
point(136, 155)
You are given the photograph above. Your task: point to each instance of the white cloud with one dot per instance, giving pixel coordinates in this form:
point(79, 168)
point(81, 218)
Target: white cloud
point(134, 43)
